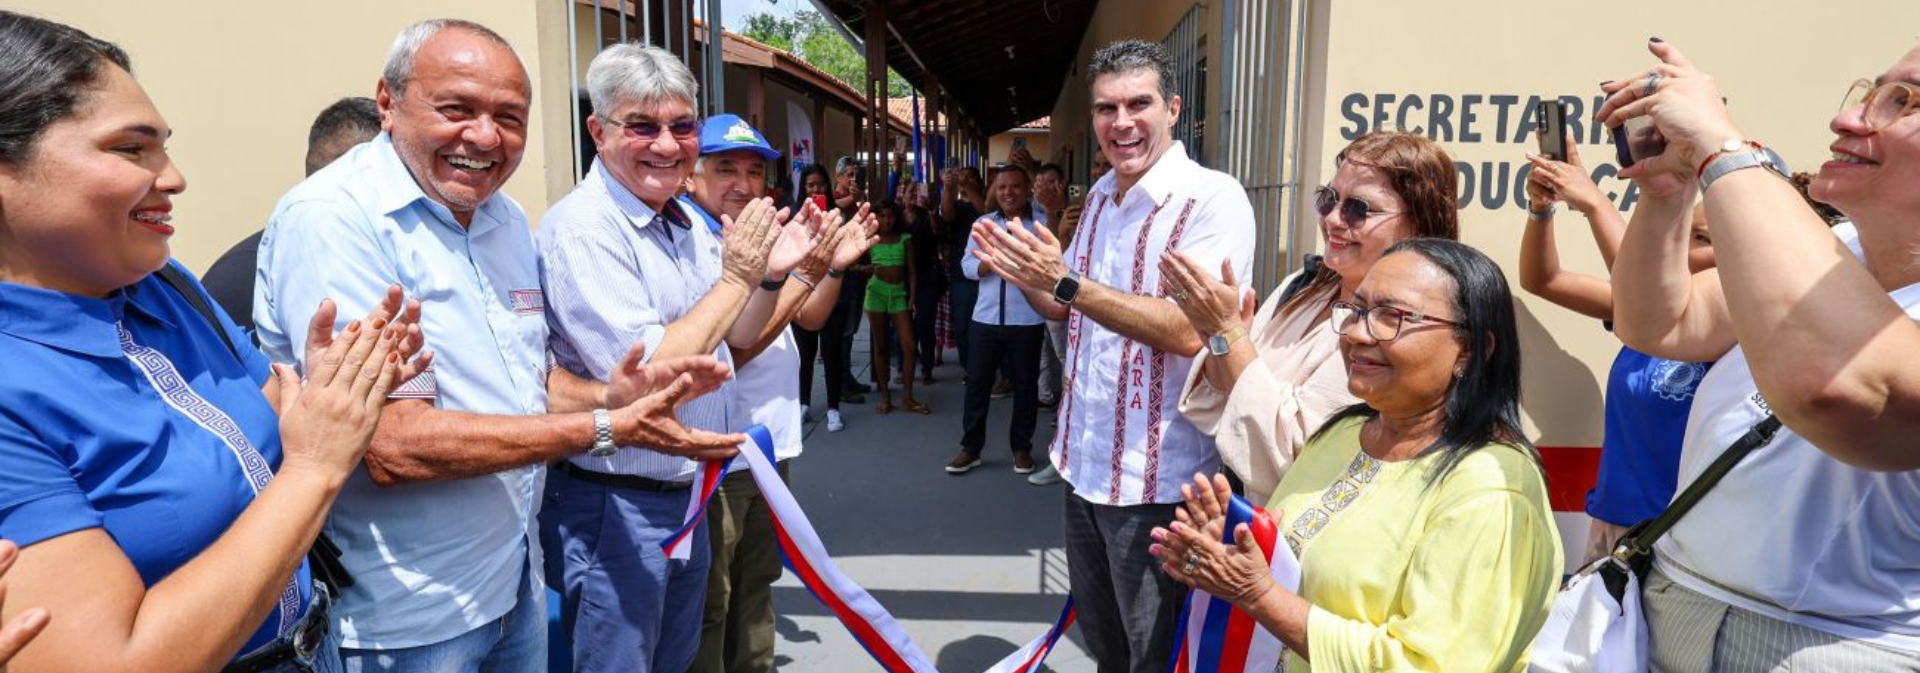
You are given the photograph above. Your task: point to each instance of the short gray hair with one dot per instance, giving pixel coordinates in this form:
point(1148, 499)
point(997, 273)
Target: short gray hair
point(406, 46)
point(637, 73)
point(1130, 55)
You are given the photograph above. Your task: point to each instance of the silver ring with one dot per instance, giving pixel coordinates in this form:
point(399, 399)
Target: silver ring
point(1180, 297)
point(1653, 80)
point(1193, 563)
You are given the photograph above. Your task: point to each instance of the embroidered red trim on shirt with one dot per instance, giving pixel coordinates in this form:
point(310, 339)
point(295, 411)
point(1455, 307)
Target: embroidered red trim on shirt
point(1126, 357)
point(1065, 411)
point(1156, 394)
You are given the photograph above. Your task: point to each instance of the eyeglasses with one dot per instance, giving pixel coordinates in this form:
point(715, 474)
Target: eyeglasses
point(1885, 104)
point(1383, 322)
point(1353, 211)
point(648, 130)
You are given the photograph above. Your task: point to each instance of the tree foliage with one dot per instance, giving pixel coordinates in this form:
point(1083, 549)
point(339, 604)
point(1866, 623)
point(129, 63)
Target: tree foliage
point(809, 36)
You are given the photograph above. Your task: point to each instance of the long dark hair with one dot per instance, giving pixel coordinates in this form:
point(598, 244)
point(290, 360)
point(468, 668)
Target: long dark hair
point(800, 190)
point(1420, 173)
point(1483, 405)
point(48, 70)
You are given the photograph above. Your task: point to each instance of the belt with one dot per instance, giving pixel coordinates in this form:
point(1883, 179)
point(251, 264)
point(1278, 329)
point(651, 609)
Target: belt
point(634, 482)
point(298, 645)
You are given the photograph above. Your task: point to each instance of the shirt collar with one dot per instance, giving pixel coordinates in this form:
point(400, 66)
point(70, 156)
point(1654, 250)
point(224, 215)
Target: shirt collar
point(73, 323)
point(1164, 176)
point(637, 211)
point(395, 189)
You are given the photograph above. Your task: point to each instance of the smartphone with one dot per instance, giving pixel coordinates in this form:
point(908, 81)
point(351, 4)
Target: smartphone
point(1550, 126)
point(819, 202)
point(1637, 140)
point(1076, 194)
point(1019, 143)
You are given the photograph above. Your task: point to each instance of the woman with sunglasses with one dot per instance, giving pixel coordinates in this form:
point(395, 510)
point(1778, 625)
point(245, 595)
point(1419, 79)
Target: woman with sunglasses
point(1806, 555)
point(1419, 516)
point(1270, 378)
point(163, 484)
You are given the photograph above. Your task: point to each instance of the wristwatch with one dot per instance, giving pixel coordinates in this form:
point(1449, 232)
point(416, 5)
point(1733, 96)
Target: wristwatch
point(1736, 155)
point(1068, 288)
point(1220, 344)
point(602, 434)
point(774, 285)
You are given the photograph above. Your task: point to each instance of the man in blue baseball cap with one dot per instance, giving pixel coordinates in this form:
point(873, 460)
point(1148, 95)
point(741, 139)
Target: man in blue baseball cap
point(731, 170)
point(736, 634)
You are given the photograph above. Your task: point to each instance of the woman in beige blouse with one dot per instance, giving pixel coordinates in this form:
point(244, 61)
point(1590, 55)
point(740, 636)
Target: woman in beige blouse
point(1387, 187)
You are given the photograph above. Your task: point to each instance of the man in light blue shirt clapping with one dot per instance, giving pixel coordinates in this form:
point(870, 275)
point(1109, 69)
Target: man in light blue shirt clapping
point(1005, 329)
point(436, 531)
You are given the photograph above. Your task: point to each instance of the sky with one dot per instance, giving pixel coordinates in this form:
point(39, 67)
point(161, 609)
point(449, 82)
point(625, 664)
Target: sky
point(734, 13)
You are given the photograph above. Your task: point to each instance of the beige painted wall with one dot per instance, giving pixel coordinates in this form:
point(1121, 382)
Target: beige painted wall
point(240, 82)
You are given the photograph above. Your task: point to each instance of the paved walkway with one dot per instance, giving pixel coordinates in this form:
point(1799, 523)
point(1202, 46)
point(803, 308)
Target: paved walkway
point(971, 565)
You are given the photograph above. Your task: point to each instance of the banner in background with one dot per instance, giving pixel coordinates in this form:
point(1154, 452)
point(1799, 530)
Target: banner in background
point(799, 143)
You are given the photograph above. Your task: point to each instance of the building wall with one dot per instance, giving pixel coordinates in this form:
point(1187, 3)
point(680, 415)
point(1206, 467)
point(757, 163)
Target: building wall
point(240, 82)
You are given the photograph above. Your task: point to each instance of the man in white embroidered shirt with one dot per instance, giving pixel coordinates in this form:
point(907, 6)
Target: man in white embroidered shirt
point(1122, 445)
point(621, 261)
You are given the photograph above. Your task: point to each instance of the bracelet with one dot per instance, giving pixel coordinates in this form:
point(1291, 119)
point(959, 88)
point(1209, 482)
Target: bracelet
point(836, 273)
point(1543, 215)
point(811, 285)
point(774, 285)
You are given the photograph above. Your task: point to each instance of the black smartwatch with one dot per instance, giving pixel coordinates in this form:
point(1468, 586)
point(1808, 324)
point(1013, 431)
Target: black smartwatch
point(1068, 288)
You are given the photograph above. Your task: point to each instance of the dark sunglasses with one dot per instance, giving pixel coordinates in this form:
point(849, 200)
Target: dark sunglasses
point(1353, 211)
point(647, 130)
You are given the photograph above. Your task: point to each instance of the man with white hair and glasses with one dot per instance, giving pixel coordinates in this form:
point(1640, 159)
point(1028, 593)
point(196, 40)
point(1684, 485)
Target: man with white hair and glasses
point(622, 261)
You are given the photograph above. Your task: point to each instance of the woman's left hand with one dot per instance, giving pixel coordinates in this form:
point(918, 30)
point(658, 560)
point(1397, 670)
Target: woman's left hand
point(1195, 555)
point(1190, 550)
point(1211, 306)
point(1684, 105)
point(395, 308)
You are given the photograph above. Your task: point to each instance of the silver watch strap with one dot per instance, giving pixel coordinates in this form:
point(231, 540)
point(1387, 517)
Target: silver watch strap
point(1736, 161)
point(603, 445)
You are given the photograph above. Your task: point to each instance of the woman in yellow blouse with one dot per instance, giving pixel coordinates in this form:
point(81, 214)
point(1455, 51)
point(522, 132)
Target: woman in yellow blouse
point(1420, 517)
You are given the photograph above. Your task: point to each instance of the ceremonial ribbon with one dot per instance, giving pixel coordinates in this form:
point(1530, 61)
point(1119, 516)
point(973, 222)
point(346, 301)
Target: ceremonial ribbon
point(871, 625)
point(706, 481)
point(1215, 636)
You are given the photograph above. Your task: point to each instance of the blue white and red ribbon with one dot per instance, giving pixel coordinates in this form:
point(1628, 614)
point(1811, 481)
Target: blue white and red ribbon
point(706, 481)
point(869, 622)
point(1215, 636)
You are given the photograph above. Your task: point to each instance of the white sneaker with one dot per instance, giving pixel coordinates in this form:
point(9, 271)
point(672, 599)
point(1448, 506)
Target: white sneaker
point(1047, 476)
point(834, 424)
point(806, 413)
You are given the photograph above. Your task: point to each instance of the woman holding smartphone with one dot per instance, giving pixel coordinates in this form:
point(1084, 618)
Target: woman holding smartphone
point(1647, 396)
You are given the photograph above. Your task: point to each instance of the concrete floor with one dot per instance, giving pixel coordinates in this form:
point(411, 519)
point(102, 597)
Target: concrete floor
point(971, 565)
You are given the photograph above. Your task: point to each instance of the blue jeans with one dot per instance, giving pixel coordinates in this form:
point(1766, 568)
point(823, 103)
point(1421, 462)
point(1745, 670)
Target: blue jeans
point(514, 643)
point(625, 606)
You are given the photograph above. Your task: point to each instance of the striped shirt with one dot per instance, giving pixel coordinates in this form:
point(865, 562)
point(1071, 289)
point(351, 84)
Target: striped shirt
point(615, 272)
point(1121, 438)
